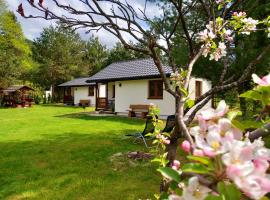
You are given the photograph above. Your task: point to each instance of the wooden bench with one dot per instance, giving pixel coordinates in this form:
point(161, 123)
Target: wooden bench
point(134, 109)
point(84, 102)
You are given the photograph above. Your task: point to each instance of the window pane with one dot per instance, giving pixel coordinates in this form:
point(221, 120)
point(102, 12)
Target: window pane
point(155, 89)
point(159, 87)
point(91, 91)
point(113, 91)
point(198, 88)
point(151, 88)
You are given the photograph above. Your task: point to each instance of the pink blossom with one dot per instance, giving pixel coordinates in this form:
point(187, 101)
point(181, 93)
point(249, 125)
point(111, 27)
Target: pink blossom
point(264, 81)
point(209, 152)
point(206, 49)
point(175, 165)
point(163, 139)
point(227, 131)
point(194, 190)
point(239, 14)
point(198, 152)
point(253, 186)
point(220, 1)
point(261, 165)
point(233, 171)
point(247, 164)
point(211, 113)
point(211, 144)
point(219, 52)
point(206, 35)
point(186, 146)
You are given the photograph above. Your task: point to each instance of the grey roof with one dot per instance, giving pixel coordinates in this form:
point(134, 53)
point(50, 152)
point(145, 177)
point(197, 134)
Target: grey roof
point(15, 88)
point(76, 82)
point(133, 69)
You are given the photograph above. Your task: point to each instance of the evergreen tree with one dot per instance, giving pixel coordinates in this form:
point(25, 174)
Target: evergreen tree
point(95, 56)
point(59, 51)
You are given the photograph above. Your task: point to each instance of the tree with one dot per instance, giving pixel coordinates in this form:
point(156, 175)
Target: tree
point(95, 56)
point(123, 20)
point(15, 53)
point(120, 53)
point(213, 37)
point(59, 51)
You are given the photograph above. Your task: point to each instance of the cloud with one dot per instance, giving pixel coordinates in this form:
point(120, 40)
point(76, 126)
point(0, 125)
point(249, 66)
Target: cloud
point(33, 27)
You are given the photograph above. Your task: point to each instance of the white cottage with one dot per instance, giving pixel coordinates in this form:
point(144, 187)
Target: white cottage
point(137, 82)
point(78, 90)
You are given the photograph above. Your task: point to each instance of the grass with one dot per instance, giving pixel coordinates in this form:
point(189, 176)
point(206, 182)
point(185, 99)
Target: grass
point(54, 152)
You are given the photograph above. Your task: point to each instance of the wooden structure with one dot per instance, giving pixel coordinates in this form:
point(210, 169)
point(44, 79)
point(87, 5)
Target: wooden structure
point(138, 108)
point(17, 96)
point(85, 102)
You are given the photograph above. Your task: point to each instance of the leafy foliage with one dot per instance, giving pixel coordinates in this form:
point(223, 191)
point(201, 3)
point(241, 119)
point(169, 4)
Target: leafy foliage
point(15, 53)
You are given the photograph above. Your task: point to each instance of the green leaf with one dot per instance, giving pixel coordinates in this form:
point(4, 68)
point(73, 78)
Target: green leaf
point(229, 191)
point(252, 94)
point(220, 7)
point(184, 91)
point(264, 198)
point(239, 125)
point(203, 160)
point(233, 114)
point(190, 103)
point(164, 195)
point(247, 124)
point(212, 197)
point(156, 160)
point(170, 174)
point(195, 168)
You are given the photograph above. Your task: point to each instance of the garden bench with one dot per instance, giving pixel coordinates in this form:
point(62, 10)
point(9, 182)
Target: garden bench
point(134, 109)
point(84, 102)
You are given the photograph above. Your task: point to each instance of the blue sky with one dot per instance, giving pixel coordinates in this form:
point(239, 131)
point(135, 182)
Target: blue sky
point(33, 27)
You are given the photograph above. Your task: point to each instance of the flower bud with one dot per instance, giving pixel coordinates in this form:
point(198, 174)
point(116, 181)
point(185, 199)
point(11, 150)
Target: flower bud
point(186, 146)
point(176, 163)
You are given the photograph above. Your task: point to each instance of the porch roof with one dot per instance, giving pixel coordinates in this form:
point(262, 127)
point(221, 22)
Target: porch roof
point(76, 82)
point(15, 88)
point(133, 69)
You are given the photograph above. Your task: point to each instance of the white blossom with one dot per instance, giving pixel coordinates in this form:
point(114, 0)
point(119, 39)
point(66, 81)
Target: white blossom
point(249, 25)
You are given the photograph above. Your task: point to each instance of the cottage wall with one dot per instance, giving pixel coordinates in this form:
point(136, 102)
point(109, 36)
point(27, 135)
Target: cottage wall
point(136, 92)
point(81, 93)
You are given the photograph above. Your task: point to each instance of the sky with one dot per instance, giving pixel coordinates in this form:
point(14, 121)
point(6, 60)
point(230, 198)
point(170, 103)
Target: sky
point(33, 27)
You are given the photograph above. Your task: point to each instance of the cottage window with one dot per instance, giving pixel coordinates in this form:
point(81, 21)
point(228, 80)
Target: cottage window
point(91, 91)
point(155, 89)
point(113, 91)
point(198, 89)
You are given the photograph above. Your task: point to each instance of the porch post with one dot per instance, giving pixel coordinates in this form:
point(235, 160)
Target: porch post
point(107, 97)
point(64, 100)
point(97, 94)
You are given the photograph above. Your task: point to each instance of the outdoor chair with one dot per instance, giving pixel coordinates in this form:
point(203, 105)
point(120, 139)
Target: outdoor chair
point(170, 124)
point(149, 128)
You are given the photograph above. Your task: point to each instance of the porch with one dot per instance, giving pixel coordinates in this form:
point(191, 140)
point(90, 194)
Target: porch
point(68, 97)
point(105, 97)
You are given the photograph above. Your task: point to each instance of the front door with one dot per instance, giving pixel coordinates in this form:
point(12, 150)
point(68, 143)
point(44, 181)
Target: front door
point(102, 96)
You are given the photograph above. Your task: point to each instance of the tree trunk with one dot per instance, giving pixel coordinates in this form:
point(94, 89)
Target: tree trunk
point(53, 93)
point(171, 149)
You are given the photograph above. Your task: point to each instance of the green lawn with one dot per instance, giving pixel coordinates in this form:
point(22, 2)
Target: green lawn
point(53, 152)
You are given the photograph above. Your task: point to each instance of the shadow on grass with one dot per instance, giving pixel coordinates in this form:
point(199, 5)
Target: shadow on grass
point(59, 105)
point(85, 116)
point(73, 166)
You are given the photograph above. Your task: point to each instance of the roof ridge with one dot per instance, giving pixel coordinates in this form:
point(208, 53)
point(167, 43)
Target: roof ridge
point(135, 59)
